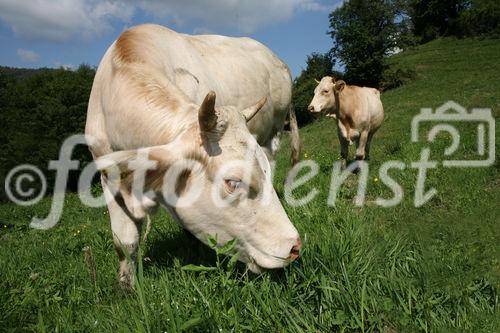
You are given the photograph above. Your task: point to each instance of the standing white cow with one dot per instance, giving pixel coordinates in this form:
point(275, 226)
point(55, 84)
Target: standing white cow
point(358, 111)
point(156, 88)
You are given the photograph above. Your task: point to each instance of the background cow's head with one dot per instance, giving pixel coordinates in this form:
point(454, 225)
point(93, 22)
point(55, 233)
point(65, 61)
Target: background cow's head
point(216, 181)
point(325, 94)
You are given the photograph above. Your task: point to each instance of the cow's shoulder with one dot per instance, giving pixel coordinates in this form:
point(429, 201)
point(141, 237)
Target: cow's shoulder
point(137, 44)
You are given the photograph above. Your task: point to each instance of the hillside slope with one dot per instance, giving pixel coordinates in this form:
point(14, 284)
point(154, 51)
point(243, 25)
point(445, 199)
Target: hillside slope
point(456, 232)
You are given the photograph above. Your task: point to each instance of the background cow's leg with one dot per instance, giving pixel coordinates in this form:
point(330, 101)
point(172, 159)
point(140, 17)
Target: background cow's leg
point(368, 144)
point(344, 148)
point(360, 150)
point(126, 230)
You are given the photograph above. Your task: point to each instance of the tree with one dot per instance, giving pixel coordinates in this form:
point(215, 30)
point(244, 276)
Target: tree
point(38, 110)
point(481, 18)
point(318, 65)
point(364, 33)
point(434, 18)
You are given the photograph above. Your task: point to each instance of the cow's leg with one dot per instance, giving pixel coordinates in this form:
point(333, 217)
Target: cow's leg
point(271, 147)
point(274, 144)
point(126, 230)
point(360, 151)
point(368, 145)
point(344, 149)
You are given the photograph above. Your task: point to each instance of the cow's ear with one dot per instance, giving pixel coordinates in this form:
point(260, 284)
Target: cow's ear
point(339, 85)
point(213, 123)
point(131, 174)
point(151, 162)
point(252, 111)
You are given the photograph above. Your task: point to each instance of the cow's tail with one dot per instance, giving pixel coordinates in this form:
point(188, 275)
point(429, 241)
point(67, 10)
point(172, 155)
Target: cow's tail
point(295, 139)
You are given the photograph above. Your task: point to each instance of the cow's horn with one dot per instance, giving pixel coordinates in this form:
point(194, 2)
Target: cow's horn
point(211, 122)
point(316, 81)
point(252, 111)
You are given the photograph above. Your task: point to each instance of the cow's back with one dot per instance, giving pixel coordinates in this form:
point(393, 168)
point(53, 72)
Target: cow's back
point(239, 70)
point(364, 105)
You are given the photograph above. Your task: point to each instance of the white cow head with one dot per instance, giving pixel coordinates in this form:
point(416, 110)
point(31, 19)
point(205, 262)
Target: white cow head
point(324, 95)
point(216, 181)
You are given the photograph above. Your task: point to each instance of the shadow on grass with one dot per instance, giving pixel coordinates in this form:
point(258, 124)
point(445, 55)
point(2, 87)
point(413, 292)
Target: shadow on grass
point(165, 249)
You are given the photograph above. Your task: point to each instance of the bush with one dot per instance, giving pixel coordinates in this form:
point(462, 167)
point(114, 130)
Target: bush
point(396, 76)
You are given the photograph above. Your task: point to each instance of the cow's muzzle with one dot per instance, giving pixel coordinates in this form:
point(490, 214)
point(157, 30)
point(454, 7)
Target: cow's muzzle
point(295, 251)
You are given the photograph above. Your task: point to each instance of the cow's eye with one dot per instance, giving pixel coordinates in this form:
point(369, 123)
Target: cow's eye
point(325, 92)
point(233, 185)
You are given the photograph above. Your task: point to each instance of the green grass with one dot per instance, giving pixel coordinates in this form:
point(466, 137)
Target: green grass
point(434, 268)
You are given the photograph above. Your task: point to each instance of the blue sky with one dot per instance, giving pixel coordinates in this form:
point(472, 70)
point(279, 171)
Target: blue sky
point(49, 33)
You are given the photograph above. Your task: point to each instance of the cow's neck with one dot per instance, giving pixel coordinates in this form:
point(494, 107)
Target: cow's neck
point(178, 123)
point(342, 117)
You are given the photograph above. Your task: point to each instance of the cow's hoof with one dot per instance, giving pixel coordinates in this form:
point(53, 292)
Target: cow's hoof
point(126, 281)
point(354, 167)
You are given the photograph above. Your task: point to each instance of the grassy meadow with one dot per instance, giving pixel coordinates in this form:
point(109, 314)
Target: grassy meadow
point(435, 268)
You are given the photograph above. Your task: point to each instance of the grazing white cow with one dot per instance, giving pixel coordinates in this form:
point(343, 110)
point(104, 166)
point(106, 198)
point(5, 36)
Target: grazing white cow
point(358, 111)
point(154, 93)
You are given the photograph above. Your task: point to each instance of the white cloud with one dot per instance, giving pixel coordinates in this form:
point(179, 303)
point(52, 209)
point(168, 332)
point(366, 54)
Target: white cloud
point(28, 55)
point(68, 67)
point(246, 16)
point(64, 19)
point(61, 20)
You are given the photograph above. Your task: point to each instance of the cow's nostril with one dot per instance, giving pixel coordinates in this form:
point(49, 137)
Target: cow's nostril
point(310, 108)
point(295, 252)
